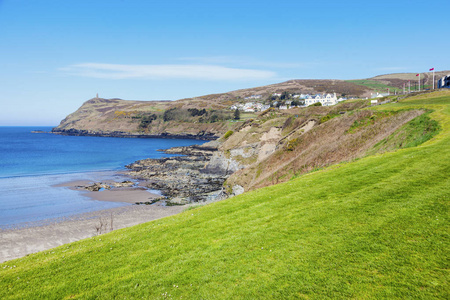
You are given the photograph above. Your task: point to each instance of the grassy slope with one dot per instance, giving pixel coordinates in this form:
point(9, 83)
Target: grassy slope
point(373, 228)
point(374, 85)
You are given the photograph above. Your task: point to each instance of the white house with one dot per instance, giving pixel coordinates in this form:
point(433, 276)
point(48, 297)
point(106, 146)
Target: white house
point(324, 99)
point(254, 97)
point(378, 95)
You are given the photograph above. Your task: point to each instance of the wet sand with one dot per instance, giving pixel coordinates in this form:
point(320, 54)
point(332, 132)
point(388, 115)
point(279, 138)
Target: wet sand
point(15, 243)
point(47, 234)
point(122, 194)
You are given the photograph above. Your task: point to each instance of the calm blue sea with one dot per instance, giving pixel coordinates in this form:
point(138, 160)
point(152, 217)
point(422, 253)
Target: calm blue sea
point(32, 163)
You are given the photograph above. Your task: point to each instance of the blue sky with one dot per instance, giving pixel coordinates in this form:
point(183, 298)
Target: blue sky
point(54, 55)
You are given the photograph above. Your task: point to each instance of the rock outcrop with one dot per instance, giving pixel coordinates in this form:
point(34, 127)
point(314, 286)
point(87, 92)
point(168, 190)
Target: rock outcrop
point(183, 179)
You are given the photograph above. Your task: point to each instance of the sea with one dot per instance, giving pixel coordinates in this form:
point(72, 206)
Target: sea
point(32, 165)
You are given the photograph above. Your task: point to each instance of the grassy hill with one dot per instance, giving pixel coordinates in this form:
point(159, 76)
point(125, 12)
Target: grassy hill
point(394, 82)
point(373, 228)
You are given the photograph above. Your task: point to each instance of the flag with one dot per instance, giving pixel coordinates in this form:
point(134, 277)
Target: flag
point(417, 74)
point(432, 69)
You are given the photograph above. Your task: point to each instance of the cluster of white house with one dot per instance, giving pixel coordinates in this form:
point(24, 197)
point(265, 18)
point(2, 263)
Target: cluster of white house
point(250, 107)
point(324, 99)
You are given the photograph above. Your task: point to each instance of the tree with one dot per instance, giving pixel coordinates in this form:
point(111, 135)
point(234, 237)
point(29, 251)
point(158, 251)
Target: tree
point(284, 95)
point(214, 118)
point(237, 114)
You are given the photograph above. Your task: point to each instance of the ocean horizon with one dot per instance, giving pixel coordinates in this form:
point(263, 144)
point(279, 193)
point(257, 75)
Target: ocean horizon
point(31, 164)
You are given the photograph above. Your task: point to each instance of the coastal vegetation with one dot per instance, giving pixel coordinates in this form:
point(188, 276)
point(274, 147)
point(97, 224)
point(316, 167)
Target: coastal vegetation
point(371, 227)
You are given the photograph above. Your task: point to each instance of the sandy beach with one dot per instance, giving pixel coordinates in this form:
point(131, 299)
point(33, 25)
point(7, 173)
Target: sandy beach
point(15, 243)
point(42, 235)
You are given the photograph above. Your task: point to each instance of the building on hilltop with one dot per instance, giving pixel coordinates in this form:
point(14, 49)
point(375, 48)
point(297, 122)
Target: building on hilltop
point(324, 99)
point(444, 82)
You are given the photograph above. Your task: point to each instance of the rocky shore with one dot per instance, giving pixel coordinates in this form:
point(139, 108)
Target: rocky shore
point(183, 179)
point(202, 135)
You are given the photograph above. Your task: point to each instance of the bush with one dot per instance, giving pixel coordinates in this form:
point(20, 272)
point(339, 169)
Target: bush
point(290, 146)
point(228, 134)
point(316, 104)
point(327, 118)
point(191, 114)
point(176, 114)
point(196, 112)
point(214, 118)
point(147, 120)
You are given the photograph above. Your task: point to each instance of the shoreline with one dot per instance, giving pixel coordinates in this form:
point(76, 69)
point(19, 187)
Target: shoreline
point(121, 187)
point(203, 136)
point(20, 242)
point(131, 195)
point(24, 238)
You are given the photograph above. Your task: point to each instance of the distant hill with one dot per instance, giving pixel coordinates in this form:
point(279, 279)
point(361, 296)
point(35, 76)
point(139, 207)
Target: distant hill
point(116, 117)
point(395, 81)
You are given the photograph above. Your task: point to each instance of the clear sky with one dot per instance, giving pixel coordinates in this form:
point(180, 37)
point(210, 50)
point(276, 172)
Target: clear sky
point(54, 55)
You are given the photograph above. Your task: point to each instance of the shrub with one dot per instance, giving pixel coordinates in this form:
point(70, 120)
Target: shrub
point(290, 146)
point(196, 112)
point(327, 118)
point(147, 120)
point(228, 134)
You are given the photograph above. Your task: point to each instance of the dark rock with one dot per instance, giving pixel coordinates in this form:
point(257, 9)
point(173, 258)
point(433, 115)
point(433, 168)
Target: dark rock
point(209, 136)
point(181, 178)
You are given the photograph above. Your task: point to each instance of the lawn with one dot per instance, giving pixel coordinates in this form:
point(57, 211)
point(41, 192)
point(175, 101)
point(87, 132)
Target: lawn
point(375, 228)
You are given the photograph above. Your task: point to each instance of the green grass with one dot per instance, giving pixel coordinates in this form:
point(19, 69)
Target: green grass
point(375, 228)
point(248, 115)
point(416, 132)
point(374, 85)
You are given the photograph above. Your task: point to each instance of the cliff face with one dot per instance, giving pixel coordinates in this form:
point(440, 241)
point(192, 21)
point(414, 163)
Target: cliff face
point(123, 118)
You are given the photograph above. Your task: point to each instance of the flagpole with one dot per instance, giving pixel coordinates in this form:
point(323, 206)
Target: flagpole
point(433, 78)
point(419, 82)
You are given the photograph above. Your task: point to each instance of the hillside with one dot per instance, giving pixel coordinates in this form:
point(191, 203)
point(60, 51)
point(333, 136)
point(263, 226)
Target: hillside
point(311, 139)
point(376, 227)
point(205, 117)
point(394, 82)
point(116, 117)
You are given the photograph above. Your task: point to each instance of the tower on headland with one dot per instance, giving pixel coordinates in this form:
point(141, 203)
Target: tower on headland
point(96, 96)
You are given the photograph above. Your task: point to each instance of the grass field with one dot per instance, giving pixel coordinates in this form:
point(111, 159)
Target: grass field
point(375, 228)
point(375, 85)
